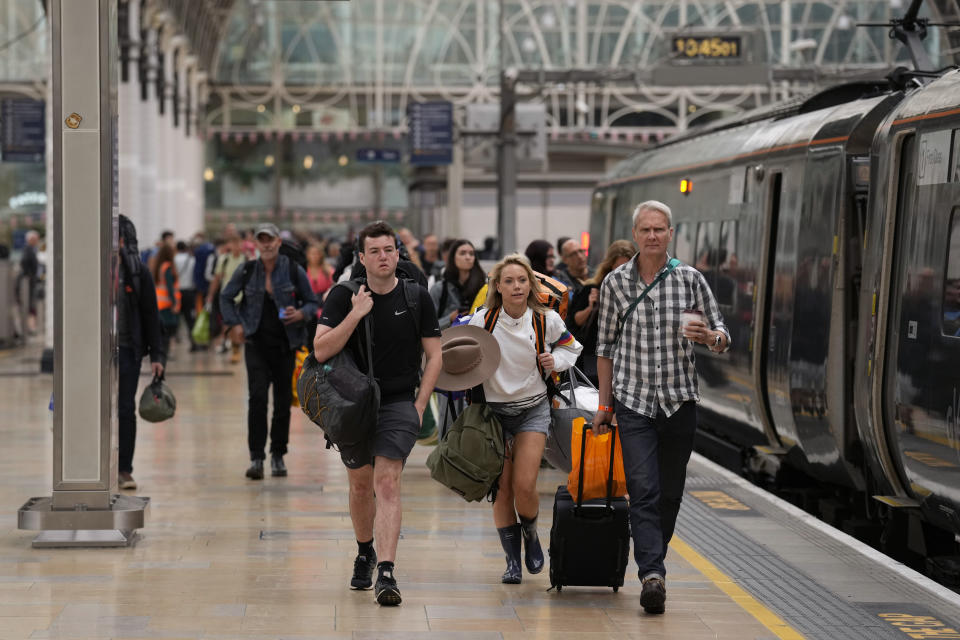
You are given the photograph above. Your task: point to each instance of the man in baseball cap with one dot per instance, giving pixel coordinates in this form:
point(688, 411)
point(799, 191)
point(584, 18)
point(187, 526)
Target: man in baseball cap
point(267, 229)
point(269, 319)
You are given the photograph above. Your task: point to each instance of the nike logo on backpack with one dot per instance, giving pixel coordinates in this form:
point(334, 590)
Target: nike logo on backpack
point(399, 313)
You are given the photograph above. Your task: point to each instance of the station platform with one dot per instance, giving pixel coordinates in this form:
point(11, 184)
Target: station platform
point(225, 557)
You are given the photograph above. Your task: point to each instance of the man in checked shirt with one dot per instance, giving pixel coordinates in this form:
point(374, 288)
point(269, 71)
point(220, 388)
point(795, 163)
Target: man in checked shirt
point(645, 364)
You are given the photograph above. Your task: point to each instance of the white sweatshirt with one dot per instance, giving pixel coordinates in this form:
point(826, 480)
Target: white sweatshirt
point(517, 377)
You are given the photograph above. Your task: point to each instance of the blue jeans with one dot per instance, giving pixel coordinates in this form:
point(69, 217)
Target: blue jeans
point(655, 456)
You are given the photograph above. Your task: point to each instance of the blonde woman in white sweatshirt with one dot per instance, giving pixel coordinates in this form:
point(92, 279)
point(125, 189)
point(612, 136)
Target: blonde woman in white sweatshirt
point(534, 342)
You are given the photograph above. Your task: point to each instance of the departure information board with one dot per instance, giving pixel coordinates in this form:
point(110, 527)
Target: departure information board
point(707, 47)
point(22, 130)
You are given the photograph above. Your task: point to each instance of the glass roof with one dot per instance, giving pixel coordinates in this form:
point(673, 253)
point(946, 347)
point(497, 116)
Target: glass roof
point(450, 43)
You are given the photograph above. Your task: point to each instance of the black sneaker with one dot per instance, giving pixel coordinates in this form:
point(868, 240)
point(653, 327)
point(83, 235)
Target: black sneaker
point(363, 568)
point(386, 591)
point(653, 597)
point(277, 468)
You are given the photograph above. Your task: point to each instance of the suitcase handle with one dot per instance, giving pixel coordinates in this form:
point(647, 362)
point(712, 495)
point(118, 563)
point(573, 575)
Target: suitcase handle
point(583, 446)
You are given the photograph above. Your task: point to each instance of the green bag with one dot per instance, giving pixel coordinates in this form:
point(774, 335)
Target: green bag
point(469, 459)
point(428, 428)
point(157, 402)
point(201, 329)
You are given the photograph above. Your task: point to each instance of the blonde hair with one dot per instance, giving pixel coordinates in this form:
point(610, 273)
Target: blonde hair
point(495, 300)
point(618, 249)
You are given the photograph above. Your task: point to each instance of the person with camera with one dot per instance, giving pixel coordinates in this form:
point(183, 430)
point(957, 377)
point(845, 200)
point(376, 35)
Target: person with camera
point(269, 319)
point(401, 332)
point(462, 280)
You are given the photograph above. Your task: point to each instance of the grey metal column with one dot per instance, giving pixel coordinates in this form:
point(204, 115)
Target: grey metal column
point(506, 149)
point(83, 511)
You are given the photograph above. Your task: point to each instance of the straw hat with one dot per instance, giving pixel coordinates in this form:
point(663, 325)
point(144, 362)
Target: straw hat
point(470, 356)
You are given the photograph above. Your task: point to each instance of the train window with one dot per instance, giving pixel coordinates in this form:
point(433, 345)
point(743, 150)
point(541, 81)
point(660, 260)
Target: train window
point(683, 237)
point(708, 237)
point(729, 263)
point(951, 286)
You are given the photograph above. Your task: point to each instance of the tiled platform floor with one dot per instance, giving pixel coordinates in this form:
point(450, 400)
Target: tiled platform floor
point(224, 557)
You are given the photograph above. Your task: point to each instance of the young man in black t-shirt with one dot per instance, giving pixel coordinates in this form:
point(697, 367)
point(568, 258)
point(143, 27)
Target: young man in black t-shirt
point(373, 467)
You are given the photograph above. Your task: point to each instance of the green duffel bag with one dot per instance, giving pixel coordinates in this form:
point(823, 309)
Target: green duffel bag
point(469, 459)
point(157, 402)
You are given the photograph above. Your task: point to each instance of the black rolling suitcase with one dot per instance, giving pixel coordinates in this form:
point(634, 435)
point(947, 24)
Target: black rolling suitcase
point(589, 540)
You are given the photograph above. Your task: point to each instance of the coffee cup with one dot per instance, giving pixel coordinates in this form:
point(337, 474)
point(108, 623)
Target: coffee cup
point(687, 316)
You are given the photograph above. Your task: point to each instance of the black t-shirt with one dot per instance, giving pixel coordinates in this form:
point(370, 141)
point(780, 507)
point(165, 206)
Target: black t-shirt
point(271, 331)
point(396, 347)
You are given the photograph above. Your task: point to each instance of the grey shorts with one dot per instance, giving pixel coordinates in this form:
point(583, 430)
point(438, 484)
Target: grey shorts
point(536, 419)
point(394, 436)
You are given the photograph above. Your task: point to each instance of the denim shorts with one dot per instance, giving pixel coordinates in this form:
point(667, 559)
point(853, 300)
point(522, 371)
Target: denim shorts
point(536, 419)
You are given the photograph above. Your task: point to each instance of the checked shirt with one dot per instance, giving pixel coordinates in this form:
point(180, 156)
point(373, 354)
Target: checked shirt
point(653, 364)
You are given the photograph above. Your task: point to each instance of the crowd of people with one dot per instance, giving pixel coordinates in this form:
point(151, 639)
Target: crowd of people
point(271, 294)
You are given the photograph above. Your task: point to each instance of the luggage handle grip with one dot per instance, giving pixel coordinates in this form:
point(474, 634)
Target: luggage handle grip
point(583, 446)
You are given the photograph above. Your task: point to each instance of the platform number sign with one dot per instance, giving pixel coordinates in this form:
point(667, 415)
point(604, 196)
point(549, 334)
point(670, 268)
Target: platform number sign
point(920, 627)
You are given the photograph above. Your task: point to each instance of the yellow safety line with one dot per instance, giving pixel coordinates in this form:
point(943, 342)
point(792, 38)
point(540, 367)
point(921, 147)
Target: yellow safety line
point(767, 617)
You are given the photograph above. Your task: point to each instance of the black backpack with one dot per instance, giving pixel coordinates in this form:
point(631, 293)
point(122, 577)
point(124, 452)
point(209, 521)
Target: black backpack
point(295, 252)
point(339, 398)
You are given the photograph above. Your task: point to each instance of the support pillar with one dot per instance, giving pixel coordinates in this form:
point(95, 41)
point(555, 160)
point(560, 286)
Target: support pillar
point(449, 226)
point(83, 510)
point(506, 150)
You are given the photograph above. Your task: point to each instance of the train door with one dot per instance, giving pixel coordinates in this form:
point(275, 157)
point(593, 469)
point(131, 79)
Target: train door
point(763, 341)
point(780, 311)
point(920, 377)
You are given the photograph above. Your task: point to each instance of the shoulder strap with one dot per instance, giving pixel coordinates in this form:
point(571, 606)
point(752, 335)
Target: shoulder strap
point(350, 285)
point(411, 293)
point(293, 271)
point(671, 265)
point(247, 273)
point(294, 268)
point(490, 319)
point(444, 296)
point(539, 331)
point(364, 330)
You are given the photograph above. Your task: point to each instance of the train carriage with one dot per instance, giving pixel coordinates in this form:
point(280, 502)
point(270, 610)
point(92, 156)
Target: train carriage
point(821, 225)
point(908, 357)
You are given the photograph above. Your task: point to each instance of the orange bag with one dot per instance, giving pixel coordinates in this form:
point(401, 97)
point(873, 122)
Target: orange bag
point(300, 356)
point(591, 458)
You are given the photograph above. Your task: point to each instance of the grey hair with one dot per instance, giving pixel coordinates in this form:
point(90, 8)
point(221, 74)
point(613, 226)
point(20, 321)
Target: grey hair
point(653, 205)
point(32, 234)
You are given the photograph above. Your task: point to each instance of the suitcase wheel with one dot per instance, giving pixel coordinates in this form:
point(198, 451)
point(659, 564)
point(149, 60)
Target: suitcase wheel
point(559, 588)
point(616, 589)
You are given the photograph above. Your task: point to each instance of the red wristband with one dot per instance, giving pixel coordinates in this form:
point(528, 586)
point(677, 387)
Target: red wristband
point(604, 407)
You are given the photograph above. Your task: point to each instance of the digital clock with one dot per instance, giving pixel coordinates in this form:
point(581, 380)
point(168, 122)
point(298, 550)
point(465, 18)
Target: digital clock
point(707, 47)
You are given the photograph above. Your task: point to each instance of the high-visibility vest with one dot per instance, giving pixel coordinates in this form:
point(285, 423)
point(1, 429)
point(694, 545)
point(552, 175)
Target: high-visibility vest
point(164, 299)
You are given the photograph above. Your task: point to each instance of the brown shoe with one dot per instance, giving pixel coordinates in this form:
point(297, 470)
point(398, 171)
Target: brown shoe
point(126, 481)
point(237, 355)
